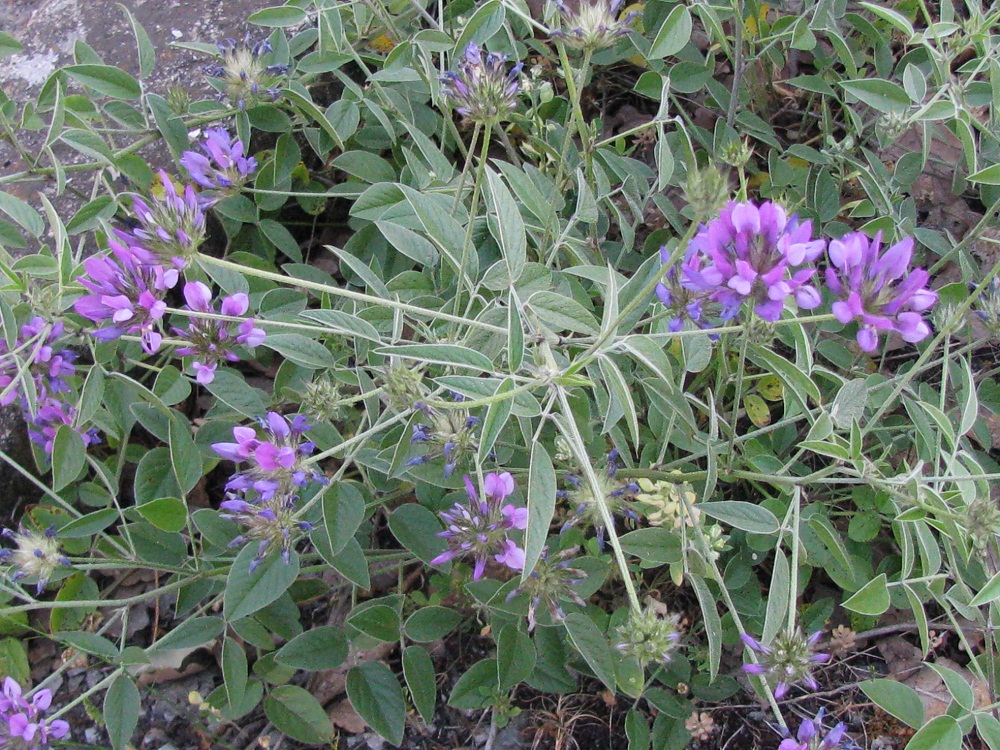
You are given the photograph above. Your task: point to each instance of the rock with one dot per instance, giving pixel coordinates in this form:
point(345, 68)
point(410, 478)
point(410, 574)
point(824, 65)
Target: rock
point(17, 488)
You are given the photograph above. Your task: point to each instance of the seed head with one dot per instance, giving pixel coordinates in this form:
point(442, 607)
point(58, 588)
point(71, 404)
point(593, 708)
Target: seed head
point(594, 25)
point(788, 660)
point(651, 636)
point(34, 555)
point(243, 74)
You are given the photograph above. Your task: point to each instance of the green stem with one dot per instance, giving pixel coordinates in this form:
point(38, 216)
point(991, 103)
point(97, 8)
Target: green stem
point(460, 273)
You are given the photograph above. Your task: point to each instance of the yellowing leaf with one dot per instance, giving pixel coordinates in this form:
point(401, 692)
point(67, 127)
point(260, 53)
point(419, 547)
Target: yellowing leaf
point(757, 410)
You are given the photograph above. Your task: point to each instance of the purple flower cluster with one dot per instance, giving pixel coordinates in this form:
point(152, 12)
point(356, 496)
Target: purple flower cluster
point(270, 484)
point(209, 339)
point(810, 736)
point(46, 366)
point(788, 660)
point(127, 287)
point(758, 256)
point(552, 582)
point(481, 88)
point(222, 168)
point(449, 434)
point(51, 415)
point(171, 226)
point(481, 529)
point(612, 493)
point(243, 76)
point(592, 24)
point(22, 726)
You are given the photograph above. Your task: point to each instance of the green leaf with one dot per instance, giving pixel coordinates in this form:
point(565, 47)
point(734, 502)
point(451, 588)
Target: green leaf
point(428, 624)
point(342, 323)
point(988, 176)
point(417, 529)
point(713, 623)
point(9, 45)
point(165, 513)
point(477, 688)
point(988, 593)
point(301, 350)
point(144, 46)
point(496, 418)
point(801, 385)
point(90, 524)
point(296, 713)
point(234, 392)
point(593, 646)
point(343, 512)
point(324, 647)
point(23, 214)
point(441, 354)
point(741, 515)
point(637, 730)
point(879, 94)
point(154, 477)
point(515, 657)
point(378, 621)
point(940, 733)
point(248, 592)
point(378, 699)
point(418, 670)
point(673, 35)
point(871, 599)
point(184, 454)
point(105, 79)
point(562, 313)
point(960, 690)
point(69, 456)
point(989, 730)
point(234, 671)
point(509, 226)
point(122, 705)
point(91, 643)
point(409, 243)
point(191, 633)
point(541, 506)
point(655, 545)
point(278, 16)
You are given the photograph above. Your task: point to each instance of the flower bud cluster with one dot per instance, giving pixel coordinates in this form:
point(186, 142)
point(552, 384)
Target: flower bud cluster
point(650, 635)
point(592, 24)
point(482, 89)
point(611, 493)
point(787, 660)
point(552, 582)
point(243, 76)
point(171, 226)
point(450, 434)
point(34, 555)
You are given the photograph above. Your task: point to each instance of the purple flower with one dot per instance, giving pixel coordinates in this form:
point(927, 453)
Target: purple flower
point(270, 522)
point(788, 660)
point(47, 367)
point(210, 340)
point(877, 288)
point(22, 725)
point(243, 76)
point(34, 556)
point(480, 529)
point(127, 287)
point(552, 582)
point(611, 493)
point(171, 227)
point(592, 24)
point(51, 414)
point(451, 435)
point(686, 300)
point(749, 253)
point(222, 167)
point(276, 457)
point(809, 736)
point(481, 89)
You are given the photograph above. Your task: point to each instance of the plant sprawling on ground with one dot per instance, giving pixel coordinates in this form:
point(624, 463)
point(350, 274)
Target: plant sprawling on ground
point(631, 341)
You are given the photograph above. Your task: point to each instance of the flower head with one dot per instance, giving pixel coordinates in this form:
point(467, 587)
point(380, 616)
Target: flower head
point(171, 227)
point(480, 529)
point(223, 167)
point(552, 582)
point(450, 434)
point(877, 288)
point(242, 74)
point(788, 660)
point(683, 300)
point(126, 287)
point(51, 415)
point(651, 636)
point(612, 493)
point(270, 523)
point(481, 89)
point(46, 366)
point(34, 555)
point(22, 726)
point(593, 25)
point(749, 254)
point(810, 736)
point(275, 455)
point(211, 340)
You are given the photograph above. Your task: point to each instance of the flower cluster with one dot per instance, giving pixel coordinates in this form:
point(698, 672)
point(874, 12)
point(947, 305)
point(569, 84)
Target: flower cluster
point(611, 493)
point(592, 24)
point(34, 555)
point(171, 226)
point(810, 736)
point(47, 367)
point(481, 529)
point(450, 434)
point(127, 287)
point(22, 726)
point(52, 413)
point(223, 167)
point(210, 340)
point(876, 289)
point(482, 89)
point(243, 76)
point(552, 582)
point(270, 485)
point(759, 256)
point(650, 636)
point(788, 660)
